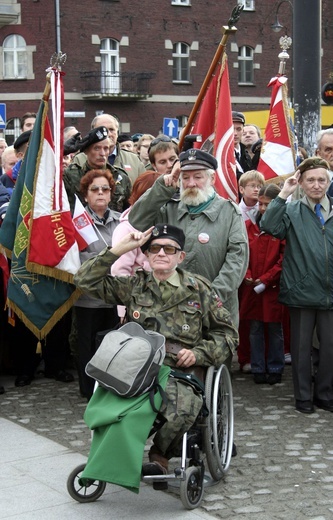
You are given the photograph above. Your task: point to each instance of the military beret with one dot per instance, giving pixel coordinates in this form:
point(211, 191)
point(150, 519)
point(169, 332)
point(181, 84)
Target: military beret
point(22, 139)
point(94, 136)
point(165, 231)
point(195, 159)
point(311, 163)
point(136, 137)
point(124, 137)
point(238, 117)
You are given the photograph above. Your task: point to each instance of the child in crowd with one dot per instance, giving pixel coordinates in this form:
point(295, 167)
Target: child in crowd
point(249, 186)
point(260, 291)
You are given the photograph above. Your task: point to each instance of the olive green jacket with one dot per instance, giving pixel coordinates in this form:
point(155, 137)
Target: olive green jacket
point(193, 315)
point(216, 242)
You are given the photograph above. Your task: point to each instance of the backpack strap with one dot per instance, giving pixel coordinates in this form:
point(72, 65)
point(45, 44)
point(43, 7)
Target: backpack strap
point(153, 391)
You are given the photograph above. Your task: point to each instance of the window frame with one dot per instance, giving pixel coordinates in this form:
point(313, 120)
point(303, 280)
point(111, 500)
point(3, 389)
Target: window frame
point(182, 3)
point(178, 58)
point(19, 47)
point(243, 61)
point(245, 4)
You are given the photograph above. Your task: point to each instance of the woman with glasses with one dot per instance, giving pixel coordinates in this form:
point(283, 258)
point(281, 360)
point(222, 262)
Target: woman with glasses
point(93, 315)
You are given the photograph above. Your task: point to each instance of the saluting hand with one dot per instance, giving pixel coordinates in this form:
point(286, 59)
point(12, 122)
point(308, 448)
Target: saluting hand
point(290, 185)
point(131, 241)
point(172, 178)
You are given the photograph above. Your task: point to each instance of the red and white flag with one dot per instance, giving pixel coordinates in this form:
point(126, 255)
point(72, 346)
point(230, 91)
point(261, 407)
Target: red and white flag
point(214, 122)
point(277, 157)
point(85, 232)
point(52, 248)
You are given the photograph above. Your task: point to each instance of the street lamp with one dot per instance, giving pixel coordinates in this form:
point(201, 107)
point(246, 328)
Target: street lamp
point(277, 26)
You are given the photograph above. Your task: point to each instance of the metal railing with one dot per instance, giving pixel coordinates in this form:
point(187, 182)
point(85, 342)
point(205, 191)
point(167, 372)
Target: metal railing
point(129, 84)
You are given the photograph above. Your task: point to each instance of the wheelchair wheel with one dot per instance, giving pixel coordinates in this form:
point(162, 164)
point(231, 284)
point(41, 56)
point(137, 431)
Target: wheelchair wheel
point(219, 428)
point(192, 489)
point(88, 493)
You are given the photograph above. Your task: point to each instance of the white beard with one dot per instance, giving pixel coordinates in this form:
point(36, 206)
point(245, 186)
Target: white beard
point(196, 196)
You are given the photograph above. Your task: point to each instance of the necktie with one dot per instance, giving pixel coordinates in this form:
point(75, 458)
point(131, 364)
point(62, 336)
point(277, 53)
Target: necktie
point(319, 214)
point(166, 290)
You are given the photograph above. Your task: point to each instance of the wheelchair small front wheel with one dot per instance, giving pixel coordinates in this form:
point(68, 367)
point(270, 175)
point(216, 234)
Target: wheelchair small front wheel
point(192, 489)
point(90, 492)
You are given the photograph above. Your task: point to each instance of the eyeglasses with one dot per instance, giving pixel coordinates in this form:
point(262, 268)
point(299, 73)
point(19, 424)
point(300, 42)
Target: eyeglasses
point(99, 188)
point(168, 250)
point(253, 186)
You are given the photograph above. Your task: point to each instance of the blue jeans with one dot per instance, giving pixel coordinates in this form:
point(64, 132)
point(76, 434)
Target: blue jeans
point(275, 355)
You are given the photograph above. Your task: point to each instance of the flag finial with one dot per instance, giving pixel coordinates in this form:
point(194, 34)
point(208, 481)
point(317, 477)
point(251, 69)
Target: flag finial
point(57, 60)
point(285, 43)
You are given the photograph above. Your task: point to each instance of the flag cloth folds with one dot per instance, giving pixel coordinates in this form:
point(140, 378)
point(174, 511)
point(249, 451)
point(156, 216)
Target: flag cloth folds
point(85, 233)
point(39, 300)
point(278, 157)
point(214, 123)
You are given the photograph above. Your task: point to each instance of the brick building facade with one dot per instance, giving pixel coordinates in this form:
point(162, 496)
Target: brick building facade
point(141, 61)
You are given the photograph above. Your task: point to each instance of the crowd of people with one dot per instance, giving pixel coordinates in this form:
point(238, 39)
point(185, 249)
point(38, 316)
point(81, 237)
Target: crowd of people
point(266, 261)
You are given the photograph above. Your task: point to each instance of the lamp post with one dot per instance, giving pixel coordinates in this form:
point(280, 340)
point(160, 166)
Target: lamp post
point(277, 26)
point(306, 68)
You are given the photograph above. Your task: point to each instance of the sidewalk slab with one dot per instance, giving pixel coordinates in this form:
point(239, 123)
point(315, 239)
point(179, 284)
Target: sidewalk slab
point(33, 485)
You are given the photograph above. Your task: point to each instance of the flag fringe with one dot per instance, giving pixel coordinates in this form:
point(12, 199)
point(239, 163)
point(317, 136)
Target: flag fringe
point(279, 179)
point(52, 272)
point(286, 116)
point(57, 315)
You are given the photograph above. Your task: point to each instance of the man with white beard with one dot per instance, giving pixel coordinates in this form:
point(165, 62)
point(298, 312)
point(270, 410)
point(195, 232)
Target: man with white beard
point(216, 240)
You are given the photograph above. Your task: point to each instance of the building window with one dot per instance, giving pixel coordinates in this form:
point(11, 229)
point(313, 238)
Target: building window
point(248, 4)
point(180, 2)
point(110, 80)
point(181, 62)
point(15, 61)
point(245, 65)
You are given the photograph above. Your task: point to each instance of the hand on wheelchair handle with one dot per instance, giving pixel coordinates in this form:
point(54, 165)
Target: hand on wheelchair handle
point(186, 358)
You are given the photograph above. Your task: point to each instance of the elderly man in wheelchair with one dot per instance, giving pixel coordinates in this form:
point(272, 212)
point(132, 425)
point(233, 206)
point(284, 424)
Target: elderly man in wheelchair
point(199, 337)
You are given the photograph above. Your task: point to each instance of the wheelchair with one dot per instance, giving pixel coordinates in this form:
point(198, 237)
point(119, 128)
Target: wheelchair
point(209, 441)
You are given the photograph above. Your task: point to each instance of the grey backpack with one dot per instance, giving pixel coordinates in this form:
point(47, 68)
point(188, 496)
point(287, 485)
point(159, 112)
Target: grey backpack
point(128, 360)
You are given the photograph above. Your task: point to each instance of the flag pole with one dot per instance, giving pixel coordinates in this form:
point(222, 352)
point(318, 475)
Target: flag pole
point(227, 30)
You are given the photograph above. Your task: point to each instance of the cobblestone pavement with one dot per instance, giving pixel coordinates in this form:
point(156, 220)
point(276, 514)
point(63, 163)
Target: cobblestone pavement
point(284, 466)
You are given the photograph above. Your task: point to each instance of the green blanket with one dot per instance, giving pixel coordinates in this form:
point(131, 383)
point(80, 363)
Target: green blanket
point(121, 427)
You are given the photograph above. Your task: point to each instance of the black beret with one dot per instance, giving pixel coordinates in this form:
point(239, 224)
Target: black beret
point(195, 159)
point(22, 139)
point(136, 137)
point(94, 136)
point(238, 116)
point(124, 137)
point(165, 231)
point(311, 163)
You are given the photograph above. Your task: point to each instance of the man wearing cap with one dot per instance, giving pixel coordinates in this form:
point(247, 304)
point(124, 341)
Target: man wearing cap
point(122, 159)
point(216, 238)
point(243, 159)
point(196, 325)
point(125, 142)
point(306, 285)
point(8, 179)
point(96, 147)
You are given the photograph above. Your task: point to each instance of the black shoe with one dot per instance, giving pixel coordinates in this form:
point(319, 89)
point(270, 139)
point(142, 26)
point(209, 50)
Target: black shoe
point(62, 375)
point(323, 404)
point(2, 390)
point(259, 378)
point(274, 379)
point(23, 380)
point(154, 468)
point(304, 406)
